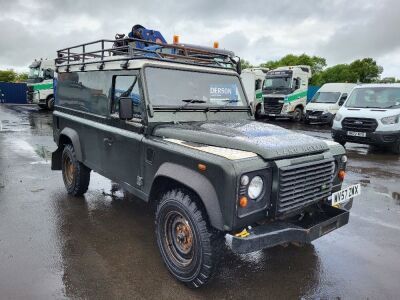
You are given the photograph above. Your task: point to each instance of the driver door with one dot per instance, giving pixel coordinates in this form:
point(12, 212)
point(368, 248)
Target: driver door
point(122, 153)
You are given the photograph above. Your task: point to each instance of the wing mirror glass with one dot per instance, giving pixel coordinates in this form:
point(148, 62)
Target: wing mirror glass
point(125, 108)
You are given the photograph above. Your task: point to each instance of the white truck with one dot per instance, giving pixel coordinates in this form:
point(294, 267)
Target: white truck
point(326, 102)
point(40, 83)
point(253, 79)
point(285, 92)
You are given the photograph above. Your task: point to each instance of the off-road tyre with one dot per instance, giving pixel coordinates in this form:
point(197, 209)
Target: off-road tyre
point(50, 103)
point(189, 246)
point(76, 175)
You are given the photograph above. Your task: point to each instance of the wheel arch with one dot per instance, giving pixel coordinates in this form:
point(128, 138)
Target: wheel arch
point(67, 136)
point(182, 176)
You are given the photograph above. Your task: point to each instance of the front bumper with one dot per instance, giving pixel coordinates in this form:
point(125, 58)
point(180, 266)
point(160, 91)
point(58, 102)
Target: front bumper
point(280, 232)
point(386, 138)
point(322, 118)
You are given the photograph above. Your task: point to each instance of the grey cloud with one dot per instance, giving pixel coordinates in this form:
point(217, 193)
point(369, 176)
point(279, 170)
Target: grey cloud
point(357, 28)
point(375, 35)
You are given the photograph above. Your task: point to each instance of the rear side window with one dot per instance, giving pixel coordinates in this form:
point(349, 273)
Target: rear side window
point(85, 91)
point(126, 86)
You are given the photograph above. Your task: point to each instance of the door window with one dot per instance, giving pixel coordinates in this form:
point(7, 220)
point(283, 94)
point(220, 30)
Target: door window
point(127, 86)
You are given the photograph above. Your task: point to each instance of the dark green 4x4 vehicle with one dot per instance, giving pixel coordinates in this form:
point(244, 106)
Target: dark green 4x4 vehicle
point(173, 126)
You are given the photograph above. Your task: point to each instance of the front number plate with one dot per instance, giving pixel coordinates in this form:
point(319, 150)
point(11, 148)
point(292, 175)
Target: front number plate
point(346, 194)
point(354, 133)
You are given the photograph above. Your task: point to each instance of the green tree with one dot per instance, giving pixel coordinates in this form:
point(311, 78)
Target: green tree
point(246, 64)
point(8, 75)
point(316, 63)
point(21, 77)
point(337, 73)
point(366, 69)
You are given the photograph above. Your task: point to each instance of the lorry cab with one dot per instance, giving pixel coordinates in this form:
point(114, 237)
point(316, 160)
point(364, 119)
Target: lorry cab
point(326, 102)
point(40, 83)
point(371, 115)
point(285, 92)
point(253, 80)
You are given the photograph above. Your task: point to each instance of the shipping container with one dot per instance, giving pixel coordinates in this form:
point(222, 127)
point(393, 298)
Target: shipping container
point(11, 92)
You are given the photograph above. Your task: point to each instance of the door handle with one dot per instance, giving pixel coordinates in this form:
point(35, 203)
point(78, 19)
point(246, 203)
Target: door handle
point(108, 142)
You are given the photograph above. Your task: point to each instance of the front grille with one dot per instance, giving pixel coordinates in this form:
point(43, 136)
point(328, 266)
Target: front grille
point(314, 113)
point(359, 124)
point(304, 184)
point(273, 105)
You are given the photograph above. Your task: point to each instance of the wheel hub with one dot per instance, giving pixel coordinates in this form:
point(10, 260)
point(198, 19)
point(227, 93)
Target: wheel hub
point(179, 238)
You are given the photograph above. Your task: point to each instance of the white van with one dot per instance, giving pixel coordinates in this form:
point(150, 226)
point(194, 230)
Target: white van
point(370, 116)
point(326, 102)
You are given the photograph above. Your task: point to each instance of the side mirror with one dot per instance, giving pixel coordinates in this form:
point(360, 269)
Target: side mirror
point(296, 83)
point(125, 108)
point(239, 67)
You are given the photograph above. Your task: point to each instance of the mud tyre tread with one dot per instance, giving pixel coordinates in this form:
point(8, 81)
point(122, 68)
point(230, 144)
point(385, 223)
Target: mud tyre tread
point(81, 174)
point(209, 241)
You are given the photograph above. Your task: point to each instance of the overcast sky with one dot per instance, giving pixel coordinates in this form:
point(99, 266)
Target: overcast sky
point(338, 30)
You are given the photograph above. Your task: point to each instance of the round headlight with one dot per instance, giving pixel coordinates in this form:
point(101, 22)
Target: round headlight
point(244, 180)
point(255, 187)
point(344, 159)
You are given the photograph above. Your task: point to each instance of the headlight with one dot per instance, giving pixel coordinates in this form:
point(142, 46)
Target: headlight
point(343, 159)
point(255, 187)
point(390, 120)
point(338, 117)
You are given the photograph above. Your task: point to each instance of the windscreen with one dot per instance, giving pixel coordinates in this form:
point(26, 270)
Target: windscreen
point(326, 97)
point(33, 73)
point(374, 97)
point(171, 87)
point(276, 83)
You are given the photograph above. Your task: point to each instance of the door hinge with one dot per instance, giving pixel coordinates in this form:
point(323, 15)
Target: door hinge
point(139, 181)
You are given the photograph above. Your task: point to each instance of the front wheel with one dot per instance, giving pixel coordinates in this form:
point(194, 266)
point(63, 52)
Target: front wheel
point(297, 114)
point(189, 247)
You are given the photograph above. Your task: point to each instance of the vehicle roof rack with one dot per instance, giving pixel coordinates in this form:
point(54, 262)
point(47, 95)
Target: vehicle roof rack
point(132, 48)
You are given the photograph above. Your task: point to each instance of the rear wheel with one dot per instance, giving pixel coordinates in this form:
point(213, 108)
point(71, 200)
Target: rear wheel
point(76, 175)
point(298, 114)
point(189, 246)
point(50, 103)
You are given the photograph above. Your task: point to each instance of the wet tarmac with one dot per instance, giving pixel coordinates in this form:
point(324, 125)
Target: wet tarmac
point(53, 246)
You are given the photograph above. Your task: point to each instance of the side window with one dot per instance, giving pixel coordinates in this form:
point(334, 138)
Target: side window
point(258, 84)
point(84, 91)
point(126, 86)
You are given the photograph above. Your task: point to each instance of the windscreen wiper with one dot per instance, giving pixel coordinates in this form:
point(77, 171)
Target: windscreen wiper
point(189, 101)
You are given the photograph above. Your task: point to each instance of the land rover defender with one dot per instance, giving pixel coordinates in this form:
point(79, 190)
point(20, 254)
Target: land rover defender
point(173, 126)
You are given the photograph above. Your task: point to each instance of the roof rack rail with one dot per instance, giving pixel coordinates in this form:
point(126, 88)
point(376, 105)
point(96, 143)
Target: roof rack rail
point(132, 48)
